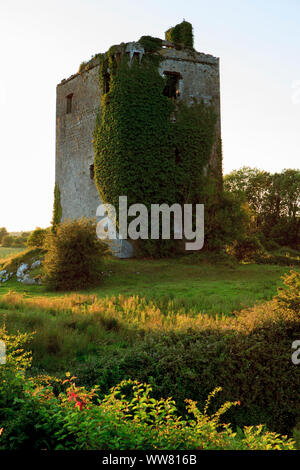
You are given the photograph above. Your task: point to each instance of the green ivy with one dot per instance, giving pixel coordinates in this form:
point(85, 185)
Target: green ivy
point(57, 208)
point(132, 141)
point(181, 34)
point(193, 137)
point(150, 44)
point(139, 151)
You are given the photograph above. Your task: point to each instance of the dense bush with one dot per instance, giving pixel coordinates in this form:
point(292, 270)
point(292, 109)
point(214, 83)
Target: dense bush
point(225, 219)
point(34, 415)
point(181, 34)
point(7, 241)
point(288, 298)
point(247, 248)
point(37, 237)
point(73, 257)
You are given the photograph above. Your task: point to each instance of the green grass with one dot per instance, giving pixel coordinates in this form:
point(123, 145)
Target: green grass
point(7, 252)
point(207, 288)
point(210, 288)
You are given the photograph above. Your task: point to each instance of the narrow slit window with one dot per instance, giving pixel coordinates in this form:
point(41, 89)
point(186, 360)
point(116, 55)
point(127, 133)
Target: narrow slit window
point(171, 89)
point(69, 103)
point(92, 171)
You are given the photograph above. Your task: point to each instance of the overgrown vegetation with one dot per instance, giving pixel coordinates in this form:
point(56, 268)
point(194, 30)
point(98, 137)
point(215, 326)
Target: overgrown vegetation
point(181, 35)
point(27, 256)
point(180, 352)
point(37, 237)
point(139, 151)
point(273, 203)
point(9, 240)
point(57, 208)
point(44, 414)
point(73, 255)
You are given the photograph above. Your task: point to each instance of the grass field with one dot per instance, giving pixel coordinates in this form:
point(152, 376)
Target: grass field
point(203, 287)
point(181, 285)
point(7, 252)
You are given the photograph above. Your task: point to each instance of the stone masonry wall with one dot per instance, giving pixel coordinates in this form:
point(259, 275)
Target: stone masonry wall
point(74, 147)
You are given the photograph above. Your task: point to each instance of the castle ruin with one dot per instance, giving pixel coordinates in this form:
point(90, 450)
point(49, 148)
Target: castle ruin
point(192, 76)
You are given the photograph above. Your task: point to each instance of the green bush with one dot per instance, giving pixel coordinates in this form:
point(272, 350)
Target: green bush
point(73, 257)
point(288, 297)
point(225, 219)
point(181, 34)
point(38, 414)
point(37, 237)
point(7, 240)
point(247, 248)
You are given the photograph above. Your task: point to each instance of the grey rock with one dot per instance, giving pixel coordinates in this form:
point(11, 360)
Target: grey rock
point(21, 270)
point(36, 264)
point(27, 280)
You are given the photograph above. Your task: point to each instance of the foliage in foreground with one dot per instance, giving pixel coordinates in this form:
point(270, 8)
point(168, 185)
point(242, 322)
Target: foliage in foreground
point(179, 352)
point(33, 415)
point(73, 257)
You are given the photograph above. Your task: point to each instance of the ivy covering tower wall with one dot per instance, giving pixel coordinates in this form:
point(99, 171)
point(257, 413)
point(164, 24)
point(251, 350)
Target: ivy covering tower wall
point(147, 146)
point(57, 208)
point(156, 133)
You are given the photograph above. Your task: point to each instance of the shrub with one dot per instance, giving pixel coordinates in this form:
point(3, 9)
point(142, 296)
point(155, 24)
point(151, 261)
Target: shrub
point(288, 298)
point(37, 237)
point(247, 248)
point(34, 415)
point(181, 34)
point(73, 258)
point(7, 240)
point(225, 219)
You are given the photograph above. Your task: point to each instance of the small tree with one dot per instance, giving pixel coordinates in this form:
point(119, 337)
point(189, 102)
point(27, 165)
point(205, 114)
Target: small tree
point(7, 240)
point(3, 233)
point(37, 237)
point(74, 255)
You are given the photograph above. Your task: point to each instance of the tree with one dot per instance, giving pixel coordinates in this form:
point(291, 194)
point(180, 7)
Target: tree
point(37, 237)
point(7, 240)
point(3, 233)
point(274, 200)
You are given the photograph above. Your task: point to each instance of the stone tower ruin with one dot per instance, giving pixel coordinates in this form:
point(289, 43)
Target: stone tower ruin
point(192, 76)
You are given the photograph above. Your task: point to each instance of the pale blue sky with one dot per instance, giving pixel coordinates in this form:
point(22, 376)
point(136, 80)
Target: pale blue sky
point(44, 41)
